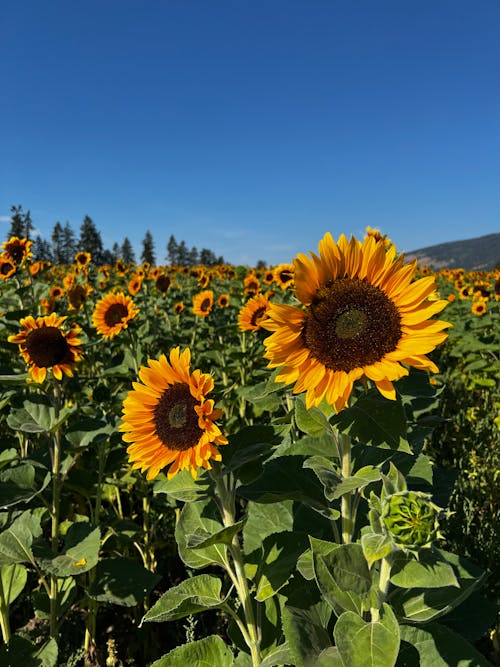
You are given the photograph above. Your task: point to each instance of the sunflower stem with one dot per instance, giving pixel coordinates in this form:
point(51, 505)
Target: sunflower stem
point(383, 585)
point(54, 510)
point(4, 616)
point(226, 501)
point(346, 502)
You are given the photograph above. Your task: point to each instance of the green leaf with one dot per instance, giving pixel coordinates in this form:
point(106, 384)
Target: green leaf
point(80, 553)
point(38, 416)
point(375, 547)
point(208, 652)
point(281, 655)
point(305, 564)
point(429, 571)
point(201, 538)
point(20, 652)
point(88, 430)
point(183, 487)
point(12, 580)
point(438, 646)
point(368, 644)
point(305, 634)
point(16, 541)
point(191, 596)
point(271, 567)
point(343, 578)
point(264, 520)
point(66, 594)
point(375, 420)
point(121, 581)
point(18, 484)
point(334, 484)
point(201, 515)
point(6, 380)
point(421, 605)
point(312, 421)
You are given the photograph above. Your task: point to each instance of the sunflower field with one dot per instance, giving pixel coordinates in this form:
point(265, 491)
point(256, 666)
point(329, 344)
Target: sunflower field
point(218, 465)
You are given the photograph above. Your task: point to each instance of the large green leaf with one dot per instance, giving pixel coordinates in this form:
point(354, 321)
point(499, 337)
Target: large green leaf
point(88, 430)
point(271, 567)
point(66, 594)
point(80, 552)
point(344, 579)
point(305, 634)
point(368, 644)
point(38, 416)
point(375, 547)
point(208, 652)
point(20, 652)
point(334, 484)
point(421, 605)
point(198, 593)
point(265, 519)
point(375, 420)
point(438, 646)
point(183, 487)
point(305, 564)
point(202, 538)
point(121, 581)
point(16, 540)
point(430, 570)
point(12, 580)
point(18, 484)
point(201, 515)
point(281, 655)
point(312, 421)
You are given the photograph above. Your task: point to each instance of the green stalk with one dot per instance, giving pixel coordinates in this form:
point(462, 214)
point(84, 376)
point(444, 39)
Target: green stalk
point(54, 510)
point(226, 502)
point(383, 585)
point(346, 501)
point(4, 615)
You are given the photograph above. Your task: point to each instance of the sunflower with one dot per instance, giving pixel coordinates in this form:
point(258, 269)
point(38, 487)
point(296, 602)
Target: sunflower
point(17, 249)
point(253, 313)
point(77, 295)
point(162, 282)
point(223, 300)
point(479, 307)
point(7, 267)
point(82, 259)
point(135, 284)
point(268, 277)
point(203, 303)
point(251, 284)
point(56, 292)
point(113, 313)
point(44, 344)
point(362, 317)
point(283, 275)
point(178, 307)
point(168, 420)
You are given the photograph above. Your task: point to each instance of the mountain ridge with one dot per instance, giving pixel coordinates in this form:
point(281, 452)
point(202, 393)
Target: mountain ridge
point(480, 253)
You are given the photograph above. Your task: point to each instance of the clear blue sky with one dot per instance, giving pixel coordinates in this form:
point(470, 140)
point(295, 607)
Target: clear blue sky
point(252, 127)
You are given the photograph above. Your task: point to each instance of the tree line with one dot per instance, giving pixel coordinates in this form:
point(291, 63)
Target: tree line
point(64, 244)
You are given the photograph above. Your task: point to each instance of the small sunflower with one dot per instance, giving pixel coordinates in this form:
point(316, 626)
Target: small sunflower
point(203, 303)
point(7, 267)
point(44, 344)
point(113, 313)
point(362, 317)
point(223, 300)
point(82, 259)
point(17, 249)
point(479, 307)
point(168, 420)
point(163, 282)
point(77, 295)
point(178, 307)
point(283, 275)
point(56, 292)
point(135, 284)
point(253, 313)
point(251, 284)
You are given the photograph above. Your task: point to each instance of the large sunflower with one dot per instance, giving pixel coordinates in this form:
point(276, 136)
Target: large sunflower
point(44, 344)
point(7, 267)
point(17, 249)
point(168, 420)
point(113, 313)
point(203, 303)
point(362, 316)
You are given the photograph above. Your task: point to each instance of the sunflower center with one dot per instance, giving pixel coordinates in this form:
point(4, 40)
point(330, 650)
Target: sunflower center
point(47, 347)
point(115, 314)
point(5, 268)
point(350, 324)
point(258, 316)
point(205, 305)
point(175, 418)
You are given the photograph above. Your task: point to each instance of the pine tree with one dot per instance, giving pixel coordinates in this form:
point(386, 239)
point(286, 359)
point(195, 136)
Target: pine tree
point(90, 241)
point(182, 254)
point(68, 244)
point(21, 224)
point(57, 244)
point(192, 258)
point(42, 250)
point(172, 250)
point(127, 252)
point(148, 252)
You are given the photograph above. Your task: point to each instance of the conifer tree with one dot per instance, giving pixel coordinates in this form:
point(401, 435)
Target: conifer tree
point(90, 240)
point(21, 224)
point(172, 250)
point(42, 250)
point(68, 244)
point(148, 252)
point(57, 244)
point(127, 252)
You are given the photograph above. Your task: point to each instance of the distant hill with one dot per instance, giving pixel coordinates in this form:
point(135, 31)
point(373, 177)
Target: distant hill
point(478, 254)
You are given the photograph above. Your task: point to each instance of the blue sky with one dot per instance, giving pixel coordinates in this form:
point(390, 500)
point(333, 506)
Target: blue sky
point(252, 127)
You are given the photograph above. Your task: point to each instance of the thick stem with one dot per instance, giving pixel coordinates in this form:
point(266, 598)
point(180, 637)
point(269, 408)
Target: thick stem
point(226, 504)
point(54, 511)
point(4, 616)
point(383, 585)
point(346, 502)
